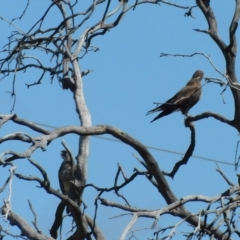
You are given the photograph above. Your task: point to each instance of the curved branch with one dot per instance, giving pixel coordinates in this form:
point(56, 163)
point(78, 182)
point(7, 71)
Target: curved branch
point(233, 28)
point(96, 231)
point(46, 185)
point(151, 164)
point(188, 154)
point(29, 124)
point(58, 219)
point(229, 52)
point(212, 24)
point(211, 114)
point(79, 218)
point(25, 228)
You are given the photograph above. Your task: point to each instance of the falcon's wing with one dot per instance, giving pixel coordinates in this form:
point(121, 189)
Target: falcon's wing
point(183, 100)
point(183, 95)
point(173, 103)
point(65, 176)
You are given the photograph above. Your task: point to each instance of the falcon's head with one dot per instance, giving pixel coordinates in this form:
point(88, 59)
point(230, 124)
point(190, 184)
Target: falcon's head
point(198, 75)
point(65, 156)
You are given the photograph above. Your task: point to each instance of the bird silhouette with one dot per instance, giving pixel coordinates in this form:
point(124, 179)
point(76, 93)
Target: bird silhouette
point(66, 176)
point(183, 100)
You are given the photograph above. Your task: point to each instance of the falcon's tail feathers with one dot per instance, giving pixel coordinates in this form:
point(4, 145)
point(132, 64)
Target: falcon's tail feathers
point(157, 109)
point(162, 114)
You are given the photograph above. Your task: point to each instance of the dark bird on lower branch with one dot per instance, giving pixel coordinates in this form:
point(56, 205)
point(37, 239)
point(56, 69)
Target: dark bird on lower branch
point(183, 100)
point(68, 83)
point(206, 3)
point(66, 175)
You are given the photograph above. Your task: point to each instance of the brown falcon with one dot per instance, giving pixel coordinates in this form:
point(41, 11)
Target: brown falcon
point(66, 175)
point(183, 100)
point(68, 83)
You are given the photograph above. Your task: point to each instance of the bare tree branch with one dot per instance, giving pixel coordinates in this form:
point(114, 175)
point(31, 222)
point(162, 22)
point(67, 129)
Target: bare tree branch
point(229, 52)
point(26, 230)
point(187, 155)
point(35, 218)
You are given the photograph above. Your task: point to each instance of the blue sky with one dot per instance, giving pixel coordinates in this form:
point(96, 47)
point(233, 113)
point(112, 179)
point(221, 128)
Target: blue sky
point(128, 76)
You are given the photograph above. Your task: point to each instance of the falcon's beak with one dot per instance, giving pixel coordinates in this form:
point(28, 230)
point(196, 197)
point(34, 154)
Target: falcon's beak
point(63, 153)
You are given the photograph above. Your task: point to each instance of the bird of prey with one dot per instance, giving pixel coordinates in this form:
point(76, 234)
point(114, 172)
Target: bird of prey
point(206, 3)
point(183, 100)
point(68, 83)
point(66, 175)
